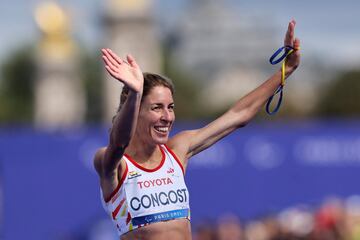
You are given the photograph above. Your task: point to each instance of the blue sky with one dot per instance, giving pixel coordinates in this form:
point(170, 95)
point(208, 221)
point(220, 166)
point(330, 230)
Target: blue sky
point(328, 30)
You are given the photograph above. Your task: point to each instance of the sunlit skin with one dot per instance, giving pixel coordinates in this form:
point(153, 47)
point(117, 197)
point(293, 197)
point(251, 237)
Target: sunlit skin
point(144, 122)
point(156, 116)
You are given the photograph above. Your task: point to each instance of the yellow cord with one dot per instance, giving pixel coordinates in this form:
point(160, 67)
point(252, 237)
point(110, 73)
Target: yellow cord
point(283, 66)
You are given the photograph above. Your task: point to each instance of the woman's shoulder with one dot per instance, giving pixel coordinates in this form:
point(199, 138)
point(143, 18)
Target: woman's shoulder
point(98, 158)
point(181, 140)
point(179, 145)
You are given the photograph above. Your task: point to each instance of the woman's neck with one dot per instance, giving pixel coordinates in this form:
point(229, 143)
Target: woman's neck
point(144, 153)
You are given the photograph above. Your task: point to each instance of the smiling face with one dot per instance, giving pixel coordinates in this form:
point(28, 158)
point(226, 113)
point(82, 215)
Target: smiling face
point(156, 116)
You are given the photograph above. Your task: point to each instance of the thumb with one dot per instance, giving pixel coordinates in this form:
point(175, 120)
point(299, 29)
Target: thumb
point(131, 61)
point(297, 44)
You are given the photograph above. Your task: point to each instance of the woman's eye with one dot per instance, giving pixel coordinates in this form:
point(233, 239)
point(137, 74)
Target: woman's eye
point(156, 108)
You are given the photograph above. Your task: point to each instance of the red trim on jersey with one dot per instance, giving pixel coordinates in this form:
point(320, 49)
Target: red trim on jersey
point(119, 185)
point(128, 219)
point(116, 211)
point(146, 169)
point(176, 158)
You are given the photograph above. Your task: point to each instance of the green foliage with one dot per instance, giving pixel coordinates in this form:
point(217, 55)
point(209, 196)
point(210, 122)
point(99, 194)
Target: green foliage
point(16, 87)
point(342, 99)
point(91, 74)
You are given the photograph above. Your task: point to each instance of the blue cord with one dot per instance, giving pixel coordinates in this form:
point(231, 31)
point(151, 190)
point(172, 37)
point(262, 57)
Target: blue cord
point(275, 59)
point(285, 50)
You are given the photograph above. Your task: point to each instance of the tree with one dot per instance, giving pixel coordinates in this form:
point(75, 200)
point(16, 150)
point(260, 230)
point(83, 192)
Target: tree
point(342, 99)
point(91, 70)
point(16, 87)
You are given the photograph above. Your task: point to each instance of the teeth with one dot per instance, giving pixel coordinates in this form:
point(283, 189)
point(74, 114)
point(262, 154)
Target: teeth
point(162, 129)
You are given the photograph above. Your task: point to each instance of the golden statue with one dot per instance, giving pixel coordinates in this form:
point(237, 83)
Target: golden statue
point(55, 26)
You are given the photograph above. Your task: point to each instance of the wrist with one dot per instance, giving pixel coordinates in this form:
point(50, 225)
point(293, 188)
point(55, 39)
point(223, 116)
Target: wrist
point(289, 71)
point(135, 94)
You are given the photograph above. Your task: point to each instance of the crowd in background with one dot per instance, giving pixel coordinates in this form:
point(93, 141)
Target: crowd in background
point(334, 219)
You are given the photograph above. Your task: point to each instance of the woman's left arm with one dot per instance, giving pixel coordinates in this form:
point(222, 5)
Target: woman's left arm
point(188, 143)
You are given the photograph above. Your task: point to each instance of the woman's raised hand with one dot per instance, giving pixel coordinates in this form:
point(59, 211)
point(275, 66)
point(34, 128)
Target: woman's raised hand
point(293, 60)
point(127, 72)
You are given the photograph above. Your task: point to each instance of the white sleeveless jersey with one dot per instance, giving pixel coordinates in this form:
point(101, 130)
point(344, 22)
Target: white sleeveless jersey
point(145, 196)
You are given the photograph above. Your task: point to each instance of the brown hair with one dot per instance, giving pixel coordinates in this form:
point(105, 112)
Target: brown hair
point(151, 80)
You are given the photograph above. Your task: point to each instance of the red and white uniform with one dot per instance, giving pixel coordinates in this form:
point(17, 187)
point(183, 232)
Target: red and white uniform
point(145, 196)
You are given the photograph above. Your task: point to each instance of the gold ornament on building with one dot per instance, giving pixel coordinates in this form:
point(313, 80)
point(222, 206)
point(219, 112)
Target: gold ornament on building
point(54, 24)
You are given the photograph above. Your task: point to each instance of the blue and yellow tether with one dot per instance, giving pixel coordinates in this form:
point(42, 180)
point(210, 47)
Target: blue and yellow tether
point(275, 59)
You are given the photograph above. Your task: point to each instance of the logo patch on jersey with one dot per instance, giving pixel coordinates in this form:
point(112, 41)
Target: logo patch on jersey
point(170, 170)
point(134, 174)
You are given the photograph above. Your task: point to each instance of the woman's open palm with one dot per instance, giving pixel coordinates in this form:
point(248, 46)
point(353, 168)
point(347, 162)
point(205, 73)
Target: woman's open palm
point(128, 72)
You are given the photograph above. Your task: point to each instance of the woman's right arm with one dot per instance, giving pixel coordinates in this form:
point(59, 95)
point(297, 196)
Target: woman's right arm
point(107, 160)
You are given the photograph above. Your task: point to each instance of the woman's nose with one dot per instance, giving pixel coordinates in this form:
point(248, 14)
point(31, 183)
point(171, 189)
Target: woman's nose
point(166, 115)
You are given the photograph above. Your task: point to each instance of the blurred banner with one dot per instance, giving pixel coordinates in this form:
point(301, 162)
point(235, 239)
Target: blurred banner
point(51, 191)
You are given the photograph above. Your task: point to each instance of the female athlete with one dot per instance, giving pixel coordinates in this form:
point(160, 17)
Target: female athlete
point(141, 169)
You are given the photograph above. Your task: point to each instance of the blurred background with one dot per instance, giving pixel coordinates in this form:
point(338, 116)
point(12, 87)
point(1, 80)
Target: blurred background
point(294, 175)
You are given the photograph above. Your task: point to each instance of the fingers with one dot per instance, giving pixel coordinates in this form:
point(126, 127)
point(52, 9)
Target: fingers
point(297, 48)
point(111, 72)
point(293, 60)
point(116, 61)
point(112, 57)
point(297, 44)
point(289, 37)
point(115, 57)
point(108, 64)
point(131, 61)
